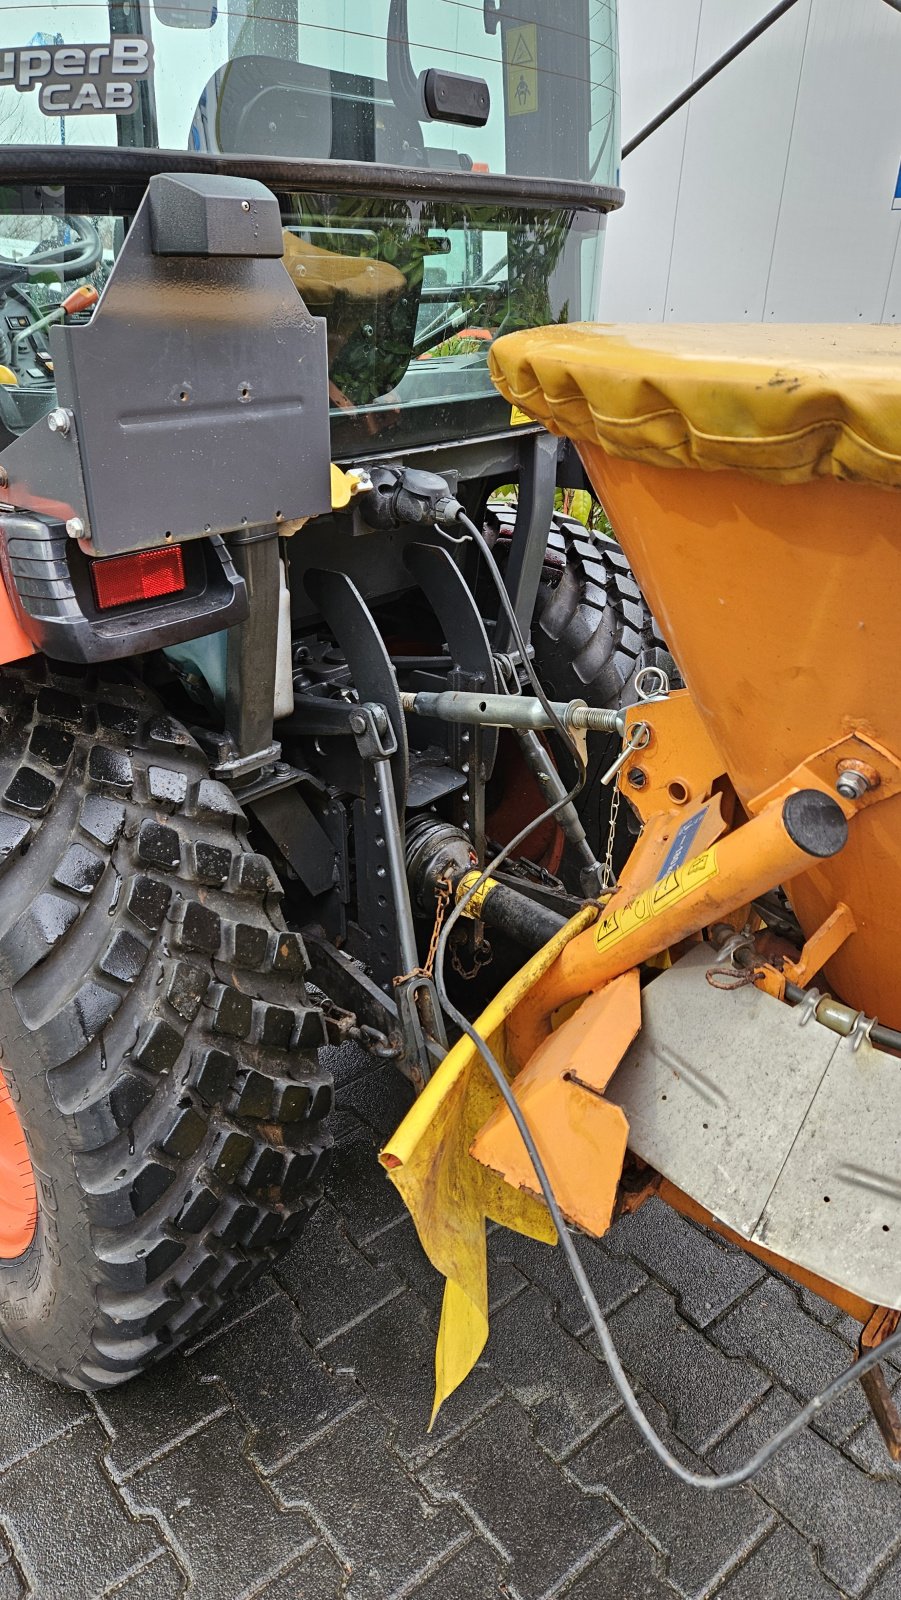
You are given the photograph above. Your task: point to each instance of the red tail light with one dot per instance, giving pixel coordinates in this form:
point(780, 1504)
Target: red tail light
point(146, 575)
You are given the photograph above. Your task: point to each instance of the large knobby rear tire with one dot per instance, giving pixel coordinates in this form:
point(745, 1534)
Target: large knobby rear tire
point(155, 1035)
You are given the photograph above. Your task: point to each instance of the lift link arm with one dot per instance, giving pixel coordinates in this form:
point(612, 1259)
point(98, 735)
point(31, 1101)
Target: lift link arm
point(417, 1002)
point(512, 711)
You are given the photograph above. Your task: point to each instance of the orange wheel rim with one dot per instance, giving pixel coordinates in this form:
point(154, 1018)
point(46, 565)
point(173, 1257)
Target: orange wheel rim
point(18, 1192)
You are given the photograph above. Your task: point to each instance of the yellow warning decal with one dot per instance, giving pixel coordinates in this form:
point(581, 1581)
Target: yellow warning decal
point(521, 57)
point(675, 886)
point(518, 417)
point(473, 907)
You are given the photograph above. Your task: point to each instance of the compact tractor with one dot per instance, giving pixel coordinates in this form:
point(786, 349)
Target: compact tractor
point(323, 719)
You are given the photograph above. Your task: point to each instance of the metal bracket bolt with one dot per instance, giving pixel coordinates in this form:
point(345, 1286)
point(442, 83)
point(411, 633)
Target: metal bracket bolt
point(852, 785)
point(60, 420)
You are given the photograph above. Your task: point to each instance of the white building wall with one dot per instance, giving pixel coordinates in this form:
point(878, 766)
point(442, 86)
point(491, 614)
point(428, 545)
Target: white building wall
point(769, 197)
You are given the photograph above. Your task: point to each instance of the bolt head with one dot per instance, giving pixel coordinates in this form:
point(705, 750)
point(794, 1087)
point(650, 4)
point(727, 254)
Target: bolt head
point(245, 205)
point(59, 420)
point(636, 777)
point(358, 723)
point(75, 528)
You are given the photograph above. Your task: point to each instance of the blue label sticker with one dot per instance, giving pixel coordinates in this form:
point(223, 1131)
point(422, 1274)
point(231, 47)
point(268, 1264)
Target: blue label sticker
point(896, 203)
point(680, 849)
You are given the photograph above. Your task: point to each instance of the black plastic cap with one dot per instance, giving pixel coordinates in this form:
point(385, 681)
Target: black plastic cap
point(815, 822)
point(204, 214)
point(450, 97)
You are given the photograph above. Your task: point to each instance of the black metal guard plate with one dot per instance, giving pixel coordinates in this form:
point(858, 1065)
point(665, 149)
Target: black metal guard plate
point(199, 397)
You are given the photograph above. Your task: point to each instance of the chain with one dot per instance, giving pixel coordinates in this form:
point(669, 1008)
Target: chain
point(608, 877)
point(483, 955)
point(444, 892)
point(342, 1026)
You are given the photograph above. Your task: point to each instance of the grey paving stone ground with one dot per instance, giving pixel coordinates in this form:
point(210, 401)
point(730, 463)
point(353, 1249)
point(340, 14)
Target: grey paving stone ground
point(285, 1455)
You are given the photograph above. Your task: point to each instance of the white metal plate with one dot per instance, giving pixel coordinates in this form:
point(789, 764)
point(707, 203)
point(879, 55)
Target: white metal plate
point(838, 1197)
point(716, 1086)
point(759, 1118)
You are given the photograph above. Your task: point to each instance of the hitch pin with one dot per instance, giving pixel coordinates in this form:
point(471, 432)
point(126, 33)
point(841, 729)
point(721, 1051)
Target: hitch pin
point(639, 736)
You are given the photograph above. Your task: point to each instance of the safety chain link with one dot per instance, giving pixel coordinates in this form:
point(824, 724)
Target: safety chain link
point(483, 955)
point(342, 1026)
point(608, 876)
point(444, 892)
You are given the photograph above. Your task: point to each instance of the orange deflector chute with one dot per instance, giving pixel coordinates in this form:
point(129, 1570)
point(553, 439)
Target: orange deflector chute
point(561, 1093)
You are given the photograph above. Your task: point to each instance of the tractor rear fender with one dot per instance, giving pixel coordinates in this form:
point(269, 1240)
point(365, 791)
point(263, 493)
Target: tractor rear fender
point(14, 641)
point(54, 599)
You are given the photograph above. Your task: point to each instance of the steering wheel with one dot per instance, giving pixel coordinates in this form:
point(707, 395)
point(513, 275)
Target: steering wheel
point(76, 259)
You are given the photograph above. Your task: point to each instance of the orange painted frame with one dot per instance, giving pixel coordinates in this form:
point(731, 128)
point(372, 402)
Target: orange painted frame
point(18, 1190)
point(14, 641)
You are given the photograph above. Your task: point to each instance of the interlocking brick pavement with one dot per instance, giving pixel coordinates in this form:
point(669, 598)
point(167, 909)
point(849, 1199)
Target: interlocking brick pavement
point(285, 1454)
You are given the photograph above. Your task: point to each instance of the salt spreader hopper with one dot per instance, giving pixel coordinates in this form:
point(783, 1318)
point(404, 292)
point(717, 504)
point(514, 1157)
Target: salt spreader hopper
point(726, 1029)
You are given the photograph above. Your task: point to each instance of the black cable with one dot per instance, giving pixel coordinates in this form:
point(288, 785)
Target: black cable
point(458, 910)
point(557, 723)
point(886, 1038)
point(695, 1480)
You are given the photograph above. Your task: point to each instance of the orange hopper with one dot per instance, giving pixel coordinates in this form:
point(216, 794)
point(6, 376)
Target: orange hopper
point(752, 475)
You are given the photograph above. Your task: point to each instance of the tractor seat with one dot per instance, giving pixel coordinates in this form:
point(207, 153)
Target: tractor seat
point(785, 403)
point(324, 275)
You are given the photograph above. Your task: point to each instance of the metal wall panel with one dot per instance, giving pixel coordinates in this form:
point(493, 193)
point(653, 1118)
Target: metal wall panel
point(658, 40)
point(891, 311)
point(837, 232)
point(736, 153)
point(770, 196)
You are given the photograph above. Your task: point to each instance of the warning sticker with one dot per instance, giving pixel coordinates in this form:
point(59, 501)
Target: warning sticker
point(473, 907)
point(664, 893)
point(680, 848)
point(518, 417)
point(521, 57)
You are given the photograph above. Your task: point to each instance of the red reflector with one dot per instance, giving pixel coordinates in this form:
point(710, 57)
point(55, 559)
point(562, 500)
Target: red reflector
point(143, 576)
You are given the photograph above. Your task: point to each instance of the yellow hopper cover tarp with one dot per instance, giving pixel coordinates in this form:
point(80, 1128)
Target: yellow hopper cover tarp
point(784, 402)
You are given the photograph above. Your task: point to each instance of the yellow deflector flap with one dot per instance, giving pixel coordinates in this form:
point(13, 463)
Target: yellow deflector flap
point(784, 402)
point(448, 1194)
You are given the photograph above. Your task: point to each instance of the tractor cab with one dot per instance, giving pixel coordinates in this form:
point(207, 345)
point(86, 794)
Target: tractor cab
point(443, 173)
